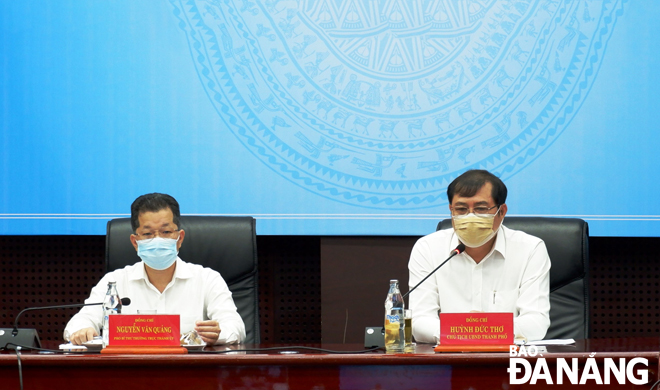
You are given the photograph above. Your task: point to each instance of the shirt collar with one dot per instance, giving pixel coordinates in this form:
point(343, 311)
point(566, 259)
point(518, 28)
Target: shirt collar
point(499, 246)
point(182, 271)
point(500, 241)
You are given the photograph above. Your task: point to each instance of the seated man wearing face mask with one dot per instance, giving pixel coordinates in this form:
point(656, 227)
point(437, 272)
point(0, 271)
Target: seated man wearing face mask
point(163, 282)
point(501, 270)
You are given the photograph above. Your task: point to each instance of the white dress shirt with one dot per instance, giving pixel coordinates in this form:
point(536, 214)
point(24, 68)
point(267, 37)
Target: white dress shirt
point(514, 277)
point(195, 293)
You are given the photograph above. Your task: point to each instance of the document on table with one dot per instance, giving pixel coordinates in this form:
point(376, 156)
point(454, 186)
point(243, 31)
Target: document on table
point(552, 342)
point(73, 348)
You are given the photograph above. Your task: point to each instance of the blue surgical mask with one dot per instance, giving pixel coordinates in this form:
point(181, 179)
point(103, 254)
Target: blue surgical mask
point(158, 253)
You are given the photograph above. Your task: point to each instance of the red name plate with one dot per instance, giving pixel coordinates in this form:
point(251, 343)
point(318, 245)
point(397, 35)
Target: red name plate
point(144, 330)
point(475, 328)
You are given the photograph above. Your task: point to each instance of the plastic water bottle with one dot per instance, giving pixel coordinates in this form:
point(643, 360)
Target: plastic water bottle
point(111, 305)
point(394, 322)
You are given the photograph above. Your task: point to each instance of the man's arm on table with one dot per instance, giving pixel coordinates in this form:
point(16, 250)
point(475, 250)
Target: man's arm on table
point(221, 309)
point(87, 322)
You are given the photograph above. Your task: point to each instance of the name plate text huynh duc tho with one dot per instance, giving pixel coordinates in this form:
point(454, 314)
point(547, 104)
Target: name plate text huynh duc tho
point(492, 330)
point(144, 330)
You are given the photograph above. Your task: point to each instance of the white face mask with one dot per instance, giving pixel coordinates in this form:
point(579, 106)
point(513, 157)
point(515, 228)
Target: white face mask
point(475, 230)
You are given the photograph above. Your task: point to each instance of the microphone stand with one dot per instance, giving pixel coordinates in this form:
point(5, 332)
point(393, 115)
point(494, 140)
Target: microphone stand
point(15, 331)
point(29, 336)
point(372, 338)
point(459, 249)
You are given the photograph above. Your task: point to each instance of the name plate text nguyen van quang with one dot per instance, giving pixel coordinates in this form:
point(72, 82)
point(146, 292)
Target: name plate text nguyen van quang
point(476, 328)
point(144, 330)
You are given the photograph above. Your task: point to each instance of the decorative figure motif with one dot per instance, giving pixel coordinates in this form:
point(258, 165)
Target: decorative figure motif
point(381, 103)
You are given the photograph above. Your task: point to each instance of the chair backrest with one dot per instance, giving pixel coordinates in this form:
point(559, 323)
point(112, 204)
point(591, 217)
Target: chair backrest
point(225, 244)
point(567, 240)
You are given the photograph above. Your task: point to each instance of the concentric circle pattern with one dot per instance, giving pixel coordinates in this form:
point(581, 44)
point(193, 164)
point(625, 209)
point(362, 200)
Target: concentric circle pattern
point(382, 103)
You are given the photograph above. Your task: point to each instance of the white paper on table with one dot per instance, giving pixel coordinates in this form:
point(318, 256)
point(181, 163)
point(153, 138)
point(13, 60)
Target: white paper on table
point(552, 342)
point(72, 347)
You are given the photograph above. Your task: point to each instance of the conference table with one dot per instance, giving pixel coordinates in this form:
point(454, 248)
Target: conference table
point(292, 368)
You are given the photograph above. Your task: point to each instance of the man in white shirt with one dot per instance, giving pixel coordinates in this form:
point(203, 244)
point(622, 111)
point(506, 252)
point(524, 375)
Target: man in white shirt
point(163, 282)
point(501, 270)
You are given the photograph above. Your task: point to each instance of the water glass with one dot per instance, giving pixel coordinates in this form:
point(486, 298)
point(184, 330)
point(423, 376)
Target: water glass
point(407, 317)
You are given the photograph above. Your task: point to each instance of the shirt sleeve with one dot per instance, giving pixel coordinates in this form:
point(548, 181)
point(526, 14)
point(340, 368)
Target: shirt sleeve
point(89, 316)
point(220, 307)
point(533, 302)
point(424, 301)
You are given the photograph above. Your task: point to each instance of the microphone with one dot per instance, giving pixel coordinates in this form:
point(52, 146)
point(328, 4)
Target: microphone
point(124, 302)
point(458, 250)
point(375, 336)
point(30, 337)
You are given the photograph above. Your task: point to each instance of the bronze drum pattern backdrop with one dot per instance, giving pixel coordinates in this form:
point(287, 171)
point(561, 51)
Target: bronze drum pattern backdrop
point(381, 103)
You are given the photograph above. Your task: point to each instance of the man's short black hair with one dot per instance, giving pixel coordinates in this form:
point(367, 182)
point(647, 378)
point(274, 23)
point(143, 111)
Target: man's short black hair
point(154, 203)
point(470, 182)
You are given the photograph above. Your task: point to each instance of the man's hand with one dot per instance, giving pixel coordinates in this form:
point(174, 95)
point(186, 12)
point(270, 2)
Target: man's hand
point(209, 331)
point(83, 336)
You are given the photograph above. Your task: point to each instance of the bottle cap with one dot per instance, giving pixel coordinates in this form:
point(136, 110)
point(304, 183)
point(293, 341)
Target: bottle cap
point(394, 281)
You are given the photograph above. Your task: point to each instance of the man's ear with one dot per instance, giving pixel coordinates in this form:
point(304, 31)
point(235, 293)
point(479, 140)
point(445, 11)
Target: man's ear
point(133, 238)
point(182, 235)
point(500, 216)
point(503, 210)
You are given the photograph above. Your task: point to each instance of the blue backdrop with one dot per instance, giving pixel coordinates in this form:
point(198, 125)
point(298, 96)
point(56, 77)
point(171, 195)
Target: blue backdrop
point(327, 116)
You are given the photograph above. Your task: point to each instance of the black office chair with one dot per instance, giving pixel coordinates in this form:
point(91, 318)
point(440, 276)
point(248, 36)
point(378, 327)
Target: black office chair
point(567, 240)
point(225, 244)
